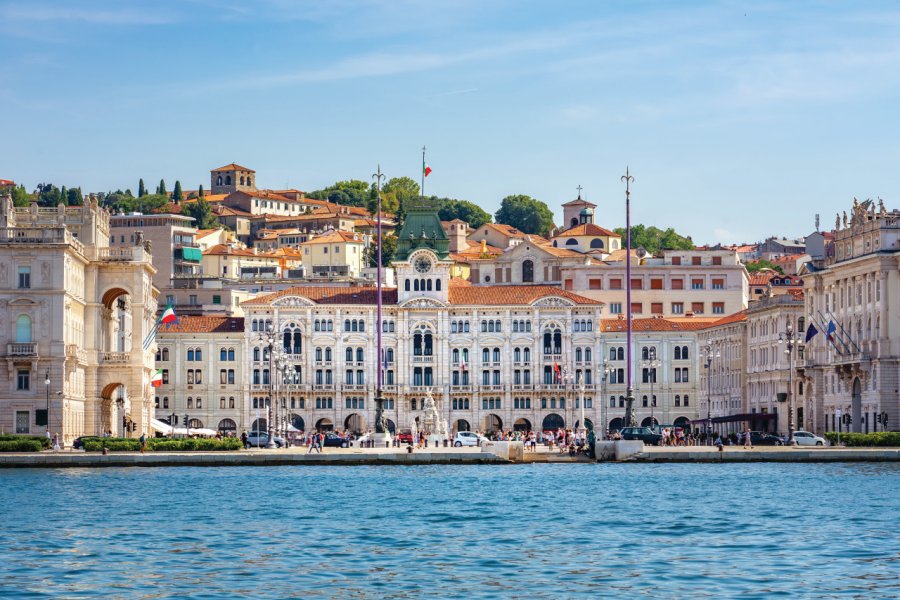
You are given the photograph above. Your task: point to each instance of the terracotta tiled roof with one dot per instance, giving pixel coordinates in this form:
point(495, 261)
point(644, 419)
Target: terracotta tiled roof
point(619, 255)
point(329, 295)
point(270, 218)
point(761, 278)
point(336, 237)
point(498, 295)
point(286, 252)
point(168, 209)
point(234, 167)
point(559, 252)
point(205, 324)
point(507, 230)
point(588, 229)
point(580, 202)
point(653, 325)
point(227, 211)
point(265, 194)
point(454, 281)
point(735, 318)
point(226, 250)
point(202, 233)
point(796, 293)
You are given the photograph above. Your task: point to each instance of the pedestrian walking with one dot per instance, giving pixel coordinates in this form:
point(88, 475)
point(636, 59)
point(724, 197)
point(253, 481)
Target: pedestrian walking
point(747, 440)
point(244, 440)
point(56, 447)
point(143, 442)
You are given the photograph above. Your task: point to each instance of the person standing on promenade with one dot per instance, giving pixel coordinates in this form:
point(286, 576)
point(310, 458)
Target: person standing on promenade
point(244, 440)
point(747, 440)
point(143, 442)
point(56, 447)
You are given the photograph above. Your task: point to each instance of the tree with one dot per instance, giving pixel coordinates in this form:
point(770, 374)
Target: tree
point(142, 191)
point(162, 187)
point(74, 197)
point(759, 265)
point(653, 239)
point(526, 214)
point(202, 213)
point(201, 194)
point(20, 195)
point(353, 192)
point(403, 188)
point(48, 194)
point(467, 211)
point(388, 247)
point(177, 195)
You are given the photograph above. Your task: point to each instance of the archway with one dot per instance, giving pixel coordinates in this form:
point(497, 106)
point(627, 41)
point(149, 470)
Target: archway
point(355, 423)
point(522, 425)
point(683, 422)
point(195, 424)
point(114, 409)
point(227, 426)
point(616, 424)
point(259, 426)
point(324, 425)
point(461, 425)
point(492, 423)
point(117, 323)
point(588, 424)
point(297, 422)
point(856, 407)
point(553, 422)
point(649, 422)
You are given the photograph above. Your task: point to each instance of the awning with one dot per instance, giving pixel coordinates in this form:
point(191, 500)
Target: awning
point(192, 254)
point(744, 417)
point(159, 426)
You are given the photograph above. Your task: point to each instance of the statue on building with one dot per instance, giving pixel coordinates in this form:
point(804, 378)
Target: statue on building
point(837, 221)
point(845, 219)
point(881, 209)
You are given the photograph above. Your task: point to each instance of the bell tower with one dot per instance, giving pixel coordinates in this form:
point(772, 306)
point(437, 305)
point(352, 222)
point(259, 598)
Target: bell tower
point(421, 259)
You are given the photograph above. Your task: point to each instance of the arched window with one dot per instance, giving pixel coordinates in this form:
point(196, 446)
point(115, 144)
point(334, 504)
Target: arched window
point(496, 355)
point(416, 285)
point(596, 243)
point(428, 285)
point(219, 180)
point(684, 353)
point(228, 180)
point(571, 242)
point(587, 355)
point(677, 355)
point(165, 354)
point(223, 354)
point(406, 285)
point(491, 326)
point(437, 285)
point(528, 271)
point(348, 355)
point(190, 354)
point(242, 180)
point(578, 354)
point(359, 355)
point(23, 329)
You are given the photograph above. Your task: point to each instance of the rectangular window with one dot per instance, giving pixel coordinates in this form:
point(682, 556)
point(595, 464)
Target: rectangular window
point(696, 284)
point(615, 308)
point(637, 284)
point(678, 308)
point(676, 260)
point(192, 300)
point(23, 380)
point(677, 284)
point(718, 308)
point(718, 284)
point(697, 308)
point(656, 308)
point(595, 284)
point(170, 300)
point(656, 284)
point(615, 284)
point(717, 260)
point(637, 307)
point(695, 260)
point(24, 278)
point(217, 299)
point(22, 421)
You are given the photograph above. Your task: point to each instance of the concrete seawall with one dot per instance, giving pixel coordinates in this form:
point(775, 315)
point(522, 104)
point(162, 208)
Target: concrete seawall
point(767, 454)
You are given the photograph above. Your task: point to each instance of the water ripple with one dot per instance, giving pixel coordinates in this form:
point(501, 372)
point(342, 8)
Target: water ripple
point(542, 531)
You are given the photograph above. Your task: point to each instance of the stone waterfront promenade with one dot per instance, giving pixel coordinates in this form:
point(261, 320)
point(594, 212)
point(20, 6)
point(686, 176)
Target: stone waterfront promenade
point(501, 453)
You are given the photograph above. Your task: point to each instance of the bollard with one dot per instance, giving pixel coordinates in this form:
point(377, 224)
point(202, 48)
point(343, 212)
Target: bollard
point(409, 449)
point(387, 444)
point(446, 443)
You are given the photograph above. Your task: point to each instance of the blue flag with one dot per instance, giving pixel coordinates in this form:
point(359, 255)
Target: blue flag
point(811, 332)
point(831, 329)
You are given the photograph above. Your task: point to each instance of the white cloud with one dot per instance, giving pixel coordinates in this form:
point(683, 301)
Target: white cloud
point(111, 16)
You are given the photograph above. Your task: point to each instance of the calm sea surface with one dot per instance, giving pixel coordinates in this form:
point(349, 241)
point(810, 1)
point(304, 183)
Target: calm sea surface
point(549, 531)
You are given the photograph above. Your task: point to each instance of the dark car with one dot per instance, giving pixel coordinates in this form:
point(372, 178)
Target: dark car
point(333, 440)
point(761, 438)
point(645, 434)
point(260, 440)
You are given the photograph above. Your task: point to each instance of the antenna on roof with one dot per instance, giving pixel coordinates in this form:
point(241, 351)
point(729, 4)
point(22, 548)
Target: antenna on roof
point(817, 221)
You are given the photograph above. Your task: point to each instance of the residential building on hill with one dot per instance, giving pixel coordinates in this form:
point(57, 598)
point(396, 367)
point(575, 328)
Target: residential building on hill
point(176, 253)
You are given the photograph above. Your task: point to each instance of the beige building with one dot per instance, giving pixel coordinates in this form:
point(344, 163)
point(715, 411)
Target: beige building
point(856, 286)
point(231, 262)
point(723, 381)
point(676, 283)
point(588, 238)
point(73, 314)
point(175, 250)
point(232, 178)
point(203, 363)
point(334, 254)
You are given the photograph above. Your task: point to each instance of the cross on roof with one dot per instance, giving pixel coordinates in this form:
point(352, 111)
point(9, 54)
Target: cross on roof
point(579, 188)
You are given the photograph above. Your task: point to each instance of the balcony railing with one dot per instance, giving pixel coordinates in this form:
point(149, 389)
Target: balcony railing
point(423, 359)
point(354, 387)
point(456, 389)
point(323, 386)
point(521, 387)
point(22, 349)
point(74, 351)
point(491, 388)
point(115, 357)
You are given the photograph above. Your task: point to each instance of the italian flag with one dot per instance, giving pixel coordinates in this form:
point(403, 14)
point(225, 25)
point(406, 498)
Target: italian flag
point(426, 169)
point(168, 316)
point(156, 380)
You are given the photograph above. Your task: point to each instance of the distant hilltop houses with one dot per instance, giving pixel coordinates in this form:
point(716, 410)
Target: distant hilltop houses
point(505, 329)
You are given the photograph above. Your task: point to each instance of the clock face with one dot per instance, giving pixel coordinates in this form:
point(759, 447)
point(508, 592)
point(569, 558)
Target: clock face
point(423, 265)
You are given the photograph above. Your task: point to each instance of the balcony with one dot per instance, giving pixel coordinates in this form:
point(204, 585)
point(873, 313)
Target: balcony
point(423, 359)
point(354, 387)
point(324, 387)
point(553, 387)
point(22, 349)
point(120, 254)
point(522, 387)
point(458, 389)
point(491, 388)
point(556, 355)
point(74, 351)
point(323, 363)
point(115, 357)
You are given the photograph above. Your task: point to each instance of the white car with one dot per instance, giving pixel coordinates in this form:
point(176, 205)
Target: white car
point(805, 438)
point(467, 438)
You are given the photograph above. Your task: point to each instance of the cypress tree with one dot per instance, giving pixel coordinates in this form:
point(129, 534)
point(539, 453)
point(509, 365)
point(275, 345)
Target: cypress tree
point(63, 195)
point(142, 191)
point(176, 195)
point(162, 187)
point(201, 191)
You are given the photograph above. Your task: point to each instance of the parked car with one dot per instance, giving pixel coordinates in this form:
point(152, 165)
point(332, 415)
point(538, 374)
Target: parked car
point(405, 436)
point(468, 438)
point(78, 443)
point(805, 438)
point(761, 438)
point(333, 440)
point(260, 440)
point(645, 434)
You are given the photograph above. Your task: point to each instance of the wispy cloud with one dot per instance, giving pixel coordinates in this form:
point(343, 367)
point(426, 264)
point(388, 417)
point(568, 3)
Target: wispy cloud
point(453, 93)
point(115, 15)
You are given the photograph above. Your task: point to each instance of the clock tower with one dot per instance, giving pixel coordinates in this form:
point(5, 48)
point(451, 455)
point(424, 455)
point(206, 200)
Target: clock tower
point(421, 261)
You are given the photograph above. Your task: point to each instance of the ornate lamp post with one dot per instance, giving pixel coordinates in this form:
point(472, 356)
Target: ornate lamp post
point(651, 364)
point(582, 429)
point(630, 420)
point(709, 354)
point(605, 370)
point(790, 339)
point(381, 428)
point(269, 339)
point(282, 364)
point(47, 385)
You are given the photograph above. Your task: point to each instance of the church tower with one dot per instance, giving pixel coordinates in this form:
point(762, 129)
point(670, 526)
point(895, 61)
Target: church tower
point(232, 178)
point(421, 261)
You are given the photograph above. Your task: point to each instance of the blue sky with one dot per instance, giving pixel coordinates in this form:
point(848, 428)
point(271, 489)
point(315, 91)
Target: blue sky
point(739, 120)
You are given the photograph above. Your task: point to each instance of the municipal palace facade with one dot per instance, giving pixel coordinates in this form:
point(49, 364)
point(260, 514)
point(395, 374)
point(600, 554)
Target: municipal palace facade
point(538, 344)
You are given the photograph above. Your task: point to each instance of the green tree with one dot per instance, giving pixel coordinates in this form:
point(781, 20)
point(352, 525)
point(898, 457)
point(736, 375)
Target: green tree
point(201, 194)
point(142, 191)
point(20, 196)
point(526, 214)
point(177, 196)
point(467, 211)
point(48, 194)
point(353, 192)
point(161, 189)
point(653, 239)
point(74, 197)
point(388, 247)
point(403, 188)
point(202, 213)
point(759, 265)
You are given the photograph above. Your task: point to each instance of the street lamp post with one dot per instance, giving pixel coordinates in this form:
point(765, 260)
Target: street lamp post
point(630, 420)
point(268, 339)
point(790, 339)
point(47, 385)
point(651, 364)
point(605, 376)
point(709, 355)
point(582, 427)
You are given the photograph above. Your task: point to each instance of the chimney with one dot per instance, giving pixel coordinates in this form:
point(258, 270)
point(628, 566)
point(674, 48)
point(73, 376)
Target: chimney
point(457, 235)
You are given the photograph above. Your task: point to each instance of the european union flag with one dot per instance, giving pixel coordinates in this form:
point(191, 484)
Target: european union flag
point(811, 332)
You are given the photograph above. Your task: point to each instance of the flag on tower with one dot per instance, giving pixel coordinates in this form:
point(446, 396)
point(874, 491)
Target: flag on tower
point(156, 380)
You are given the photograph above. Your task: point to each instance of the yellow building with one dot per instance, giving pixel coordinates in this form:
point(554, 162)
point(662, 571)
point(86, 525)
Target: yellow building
point(335, 253)
point(230, 262)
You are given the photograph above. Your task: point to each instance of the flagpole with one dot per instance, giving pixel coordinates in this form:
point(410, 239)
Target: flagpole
point(379, 400)
point(630, 419)
point(423, 171)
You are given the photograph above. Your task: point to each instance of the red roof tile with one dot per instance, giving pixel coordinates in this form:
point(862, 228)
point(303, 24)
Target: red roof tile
point(234, 167)
point(204, 324)
point(639, 325)
point(511, 294)
point(329, 295)
point(588, 229)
